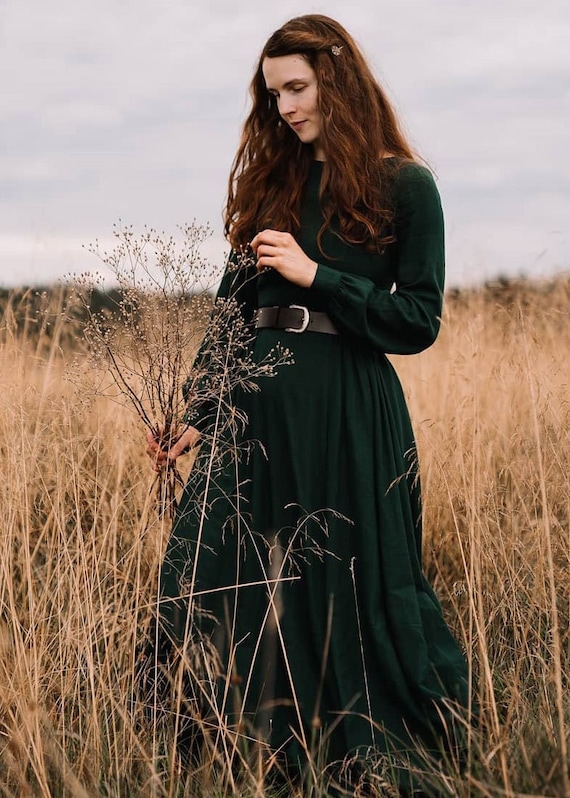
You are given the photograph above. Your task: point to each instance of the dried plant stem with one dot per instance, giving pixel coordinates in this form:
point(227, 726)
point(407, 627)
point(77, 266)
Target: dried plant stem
point(362, 656)
point(546, 525)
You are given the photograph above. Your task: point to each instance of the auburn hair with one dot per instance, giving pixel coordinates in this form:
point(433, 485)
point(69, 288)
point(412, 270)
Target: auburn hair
point(359, 128)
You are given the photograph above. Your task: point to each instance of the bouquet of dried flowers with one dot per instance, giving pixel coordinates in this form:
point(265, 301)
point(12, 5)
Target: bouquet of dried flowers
point(163, 309)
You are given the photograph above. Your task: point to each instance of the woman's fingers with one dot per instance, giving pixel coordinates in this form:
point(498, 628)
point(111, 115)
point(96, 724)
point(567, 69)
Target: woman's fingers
point(269, 237)
point(270, 246)
point(152, 446)
point(266, 256)
point(159, 460)
point(161, 457)
point(267, 250)
point(185, 442)
point(280, 251)
point(153, 449)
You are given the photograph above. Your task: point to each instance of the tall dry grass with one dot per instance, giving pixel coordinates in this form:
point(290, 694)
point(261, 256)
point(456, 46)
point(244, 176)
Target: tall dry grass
point(80, 549)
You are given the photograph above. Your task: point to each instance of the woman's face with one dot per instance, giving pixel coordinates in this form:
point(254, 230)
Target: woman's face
point(293, 83)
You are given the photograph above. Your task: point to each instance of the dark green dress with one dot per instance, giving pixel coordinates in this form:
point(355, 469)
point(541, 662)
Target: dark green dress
point(352, 649)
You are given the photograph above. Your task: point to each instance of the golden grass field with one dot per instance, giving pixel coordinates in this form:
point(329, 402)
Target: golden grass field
point(80, 547)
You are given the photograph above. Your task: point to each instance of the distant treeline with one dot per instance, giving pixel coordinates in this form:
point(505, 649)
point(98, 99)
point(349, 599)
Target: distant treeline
point(38, 311)
point(27, 303)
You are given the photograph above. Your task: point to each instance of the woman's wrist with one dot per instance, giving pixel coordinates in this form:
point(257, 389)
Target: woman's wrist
point(311, 273)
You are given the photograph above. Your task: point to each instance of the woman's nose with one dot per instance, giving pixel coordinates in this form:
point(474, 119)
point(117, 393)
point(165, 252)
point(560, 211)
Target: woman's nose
point(286, 105)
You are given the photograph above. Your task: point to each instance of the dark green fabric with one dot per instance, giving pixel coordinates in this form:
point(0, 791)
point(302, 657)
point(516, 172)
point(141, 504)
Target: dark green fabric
point(329, 484)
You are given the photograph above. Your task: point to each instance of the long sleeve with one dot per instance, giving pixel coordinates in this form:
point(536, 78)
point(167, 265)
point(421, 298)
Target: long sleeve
point(406, 320)
point(239, 285)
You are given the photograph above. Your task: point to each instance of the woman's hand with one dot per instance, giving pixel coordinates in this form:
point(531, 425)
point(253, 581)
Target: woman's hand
point(186, 440)
point(281, 252)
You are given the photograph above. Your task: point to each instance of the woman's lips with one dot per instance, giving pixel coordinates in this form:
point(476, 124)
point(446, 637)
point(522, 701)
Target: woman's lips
point(297, 125)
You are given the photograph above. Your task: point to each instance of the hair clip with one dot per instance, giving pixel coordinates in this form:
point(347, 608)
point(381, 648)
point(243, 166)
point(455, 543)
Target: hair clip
point(335, 49)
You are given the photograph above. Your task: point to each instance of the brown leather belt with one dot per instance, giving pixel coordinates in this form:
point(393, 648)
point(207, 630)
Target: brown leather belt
point(296, 319)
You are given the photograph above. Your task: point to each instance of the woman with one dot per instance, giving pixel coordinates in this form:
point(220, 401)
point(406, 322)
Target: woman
point(300, 561)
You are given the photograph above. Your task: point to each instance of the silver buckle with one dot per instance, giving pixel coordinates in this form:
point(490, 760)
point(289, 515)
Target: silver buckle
point(304, 323)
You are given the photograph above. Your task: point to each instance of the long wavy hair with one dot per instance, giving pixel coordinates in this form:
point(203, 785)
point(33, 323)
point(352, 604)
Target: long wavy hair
point(358, 129)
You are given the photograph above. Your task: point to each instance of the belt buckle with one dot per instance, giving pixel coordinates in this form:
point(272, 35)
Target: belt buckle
point(304, 323)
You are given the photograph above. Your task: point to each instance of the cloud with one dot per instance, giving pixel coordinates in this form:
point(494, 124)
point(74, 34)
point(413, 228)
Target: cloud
point(119, 111)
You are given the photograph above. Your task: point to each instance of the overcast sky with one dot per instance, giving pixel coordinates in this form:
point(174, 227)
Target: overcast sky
point(132, 110)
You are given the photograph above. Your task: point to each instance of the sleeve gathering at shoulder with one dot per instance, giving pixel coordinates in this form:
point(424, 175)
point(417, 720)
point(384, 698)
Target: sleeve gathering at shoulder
point(407, 319)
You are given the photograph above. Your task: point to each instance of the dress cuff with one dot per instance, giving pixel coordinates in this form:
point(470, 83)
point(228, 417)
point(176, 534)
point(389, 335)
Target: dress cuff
point(327, 281)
